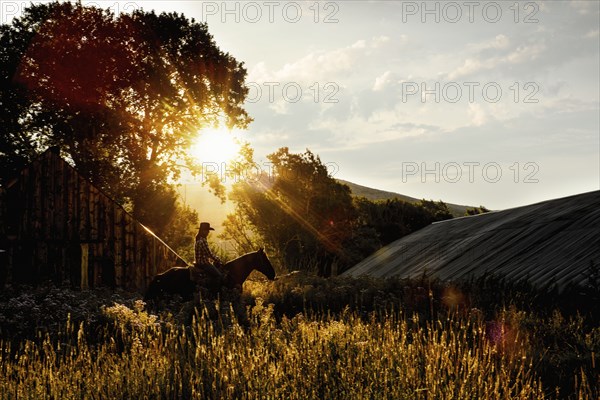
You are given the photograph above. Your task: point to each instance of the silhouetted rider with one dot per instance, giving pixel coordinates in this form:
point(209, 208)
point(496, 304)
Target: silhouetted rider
point(205, 261)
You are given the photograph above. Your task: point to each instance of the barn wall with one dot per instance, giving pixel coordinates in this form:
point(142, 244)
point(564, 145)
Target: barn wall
point(3, 244)
point(56, 225)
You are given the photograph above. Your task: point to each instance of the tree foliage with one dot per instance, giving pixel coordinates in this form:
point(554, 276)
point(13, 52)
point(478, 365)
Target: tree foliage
point(180, 231)
point(393, 218)
point(301, 211)
point(123, 96)
point(476, 211)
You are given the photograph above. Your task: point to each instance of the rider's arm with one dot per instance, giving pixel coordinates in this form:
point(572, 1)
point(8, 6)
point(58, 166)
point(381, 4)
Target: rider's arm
point(216, 259)
point(203, 252)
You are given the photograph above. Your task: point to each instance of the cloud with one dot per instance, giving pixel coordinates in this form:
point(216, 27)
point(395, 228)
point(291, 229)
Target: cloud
point(279, 106)
point(477, 114)
point(478, 63)
point(592, 34)
point(381, 81)
point(351, 133)
point(269, 136)
point(478, 60)
point(356, 129)
point(382, 40)
point(319, 65)
point(524, 53)
point(469, 67)
point(583, 7)
point(320, 77)
point(499, 42)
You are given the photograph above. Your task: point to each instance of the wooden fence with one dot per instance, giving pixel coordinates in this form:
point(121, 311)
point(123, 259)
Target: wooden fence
point(55, 225)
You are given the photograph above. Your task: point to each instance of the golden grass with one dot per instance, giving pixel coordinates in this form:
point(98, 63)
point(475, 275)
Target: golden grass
point(345, 357)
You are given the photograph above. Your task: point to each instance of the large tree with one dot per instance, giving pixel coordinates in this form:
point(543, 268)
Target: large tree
point(392, 219)
point(300, 211)
point(123, 96)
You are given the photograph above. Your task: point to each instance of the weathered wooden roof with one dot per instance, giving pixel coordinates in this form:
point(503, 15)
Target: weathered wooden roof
point(551, 241)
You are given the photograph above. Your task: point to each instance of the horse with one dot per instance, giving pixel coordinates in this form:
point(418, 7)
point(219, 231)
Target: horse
point(177, 280)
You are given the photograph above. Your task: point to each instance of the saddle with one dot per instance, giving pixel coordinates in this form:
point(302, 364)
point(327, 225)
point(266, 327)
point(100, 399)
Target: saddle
point(206, 275)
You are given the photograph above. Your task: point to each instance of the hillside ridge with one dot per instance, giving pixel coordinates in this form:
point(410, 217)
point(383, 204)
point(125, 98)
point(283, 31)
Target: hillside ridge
point(457, 210)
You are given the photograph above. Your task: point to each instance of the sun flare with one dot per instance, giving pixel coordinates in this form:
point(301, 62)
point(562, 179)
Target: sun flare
point(216, 146)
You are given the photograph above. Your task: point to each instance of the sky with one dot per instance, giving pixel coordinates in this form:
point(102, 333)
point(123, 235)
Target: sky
point(469, 102)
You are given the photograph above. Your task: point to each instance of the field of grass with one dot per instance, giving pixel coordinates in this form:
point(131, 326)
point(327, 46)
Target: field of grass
point(351, 339)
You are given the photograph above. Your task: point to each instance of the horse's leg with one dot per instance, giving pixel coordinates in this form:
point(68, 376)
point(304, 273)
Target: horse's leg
point(189, 290)
point(152, 291)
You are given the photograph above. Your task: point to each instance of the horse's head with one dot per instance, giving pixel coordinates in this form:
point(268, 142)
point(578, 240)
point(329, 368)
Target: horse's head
point(264, 264)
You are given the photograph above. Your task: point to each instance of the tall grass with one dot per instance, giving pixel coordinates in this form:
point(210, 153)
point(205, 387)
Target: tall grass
point(347, 353)
point(299, 358)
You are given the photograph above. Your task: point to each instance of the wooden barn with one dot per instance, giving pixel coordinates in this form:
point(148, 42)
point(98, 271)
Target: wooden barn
point(55, 225)
point(552, 242)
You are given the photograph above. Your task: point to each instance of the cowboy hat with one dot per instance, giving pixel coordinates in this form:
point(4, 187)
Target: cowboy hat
point(205, 226)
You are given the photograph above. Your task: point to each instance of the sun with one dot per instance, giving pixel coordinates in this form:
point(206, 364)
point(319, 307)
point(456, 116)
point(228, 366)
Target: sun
point(216, 145)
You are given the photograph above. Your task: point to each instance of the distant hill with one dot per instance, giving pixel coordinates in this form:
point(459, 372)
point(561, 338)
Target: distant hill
point(375, 194)
point(212, 210)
